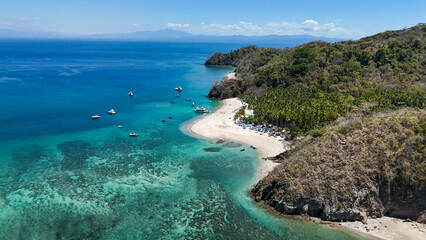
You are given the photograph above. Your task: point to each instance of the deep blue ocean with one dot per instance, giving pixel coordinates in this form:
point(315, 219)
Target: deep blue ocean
point(66, 176)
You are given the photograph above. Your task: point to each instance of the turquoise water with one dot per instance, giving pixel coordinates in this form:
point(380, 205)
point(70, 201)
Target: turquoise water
point(65, 176)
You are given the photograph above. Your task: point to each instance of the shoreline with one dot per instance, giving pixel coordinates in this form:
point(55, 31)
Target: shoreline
point(219, 125)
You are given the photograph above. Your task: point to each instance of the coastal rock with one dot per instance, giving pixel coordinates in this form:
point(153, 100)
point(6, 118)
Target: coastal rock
point(379, 171)
point(422, 217)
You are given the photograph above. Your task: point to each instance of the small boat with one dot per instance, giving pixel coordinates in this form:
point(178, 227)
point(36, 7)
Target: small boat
point(179, 89)
point(170, 117)
point(131, 94)
point(210, 100)
point(111, 112)
point(187, 99)
point(163, 120)
point(201, 110)
point(193, 104)
point(254, 147)
point(96, 117)
point(133, 135)
point(120, 126)
point(242, 150)
point(177, 95)
point(172, 102)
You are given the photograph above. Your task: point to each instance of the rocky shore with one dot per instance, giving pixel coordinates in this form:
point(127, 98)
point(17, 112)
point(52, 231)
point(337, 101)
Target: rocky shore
point(360, 169)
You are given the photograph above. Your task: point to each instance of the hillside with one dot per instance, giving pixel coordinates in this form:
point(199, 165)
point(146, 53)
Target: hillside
point(307, 87)
point(359, 104)
point(358, 167)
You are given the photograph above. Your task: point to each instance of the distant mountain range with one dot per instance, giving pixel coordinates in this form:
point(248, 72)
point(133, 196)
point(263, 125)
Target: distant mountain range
point(166, 35)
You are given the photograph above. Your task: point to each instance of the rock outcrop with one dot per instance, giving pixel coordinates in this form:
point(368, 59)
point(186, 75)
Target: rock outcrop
point(372, 166)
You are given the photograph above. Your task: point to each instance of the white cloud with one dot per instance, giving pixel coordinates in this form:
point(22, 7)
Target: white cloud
point(278, 24)
point(308, 27)
point(310, 22)
point(135, 25)
point(177, 25)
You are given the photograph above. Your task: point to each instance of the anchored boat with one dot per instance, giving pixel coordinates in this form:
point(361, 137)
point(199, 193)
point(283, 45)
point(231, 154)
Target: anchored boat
point(201, 110)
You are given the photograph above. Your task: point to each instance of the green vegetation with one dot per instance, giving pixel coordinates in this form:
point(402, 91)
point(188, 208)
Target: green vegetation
point(302, 109)
point(308, 87)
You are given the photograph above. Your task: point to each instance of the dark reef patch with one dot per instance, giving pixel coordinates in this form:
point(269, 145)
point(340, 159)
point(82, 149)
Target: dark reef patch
point(211, 149)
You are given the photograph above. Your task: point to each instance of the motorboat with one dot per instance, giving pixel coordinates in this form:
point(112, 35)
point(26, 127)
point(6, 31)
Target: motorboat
point(163, 120)
point(187, 99)
point(193, 104)
point(179, 89)
point(131, 94)
point(172, 102)
point(96, 117)
point(169, 117)
point(133, 135)
point(111, 112)
point(242, 150)
point(177, 95)
point(120, 126)
point(254, 147)
point(201, 110)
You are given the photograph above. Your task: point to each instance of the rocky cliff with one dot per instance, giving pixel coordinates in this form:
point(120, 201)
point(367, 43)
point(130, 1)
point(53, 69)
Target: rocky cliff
point(364, 166)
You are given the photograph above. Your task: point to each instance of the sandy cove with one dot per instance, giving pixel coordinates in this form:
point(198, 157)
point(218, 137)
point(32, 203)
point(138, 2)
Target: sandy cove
point(220, 125)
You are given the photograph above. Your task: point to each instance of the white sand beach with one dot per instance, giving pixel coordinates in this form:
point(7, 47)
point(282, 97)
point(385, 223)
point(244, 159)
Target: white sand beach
point(219, 125)
point(388, 228)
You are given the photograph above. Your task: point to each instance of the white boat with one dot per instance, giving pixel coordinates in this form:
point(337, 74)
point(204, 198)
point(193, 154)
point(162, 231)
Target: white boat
point(111, 112)
point(120, 126)
point(96, 117)
point(133, 134)
point(254, 147)
point(130, 94)
point(193, 104)
point(201, 110)
point(179, 89)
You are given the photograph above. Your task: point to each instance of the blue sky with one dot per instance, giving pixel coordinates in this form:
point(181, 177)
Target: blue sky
point(333, 18)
